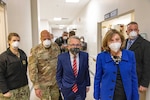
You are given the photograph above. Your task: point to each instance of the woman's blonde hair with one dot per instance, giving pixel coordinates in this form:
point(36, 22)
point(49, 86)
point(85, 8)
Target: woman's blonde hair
point(108, 37)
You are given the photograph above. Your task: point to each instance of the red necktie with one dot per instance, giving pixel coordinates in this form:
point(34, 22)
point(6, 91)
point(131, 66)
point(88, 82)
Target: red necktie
point(75, 66)
point(75, 87)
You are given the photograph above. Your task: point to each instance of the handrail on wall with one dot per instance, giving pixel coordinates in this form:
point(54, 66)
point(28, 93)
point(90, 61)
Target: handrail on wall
point(94, 59)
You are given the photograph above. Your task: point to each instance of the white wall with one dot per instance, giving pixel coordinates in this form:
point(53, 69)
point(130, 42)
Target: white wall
point(44, 26)
point(2, 30)
point(19, 21)
point(57, 33)
point(94, 12)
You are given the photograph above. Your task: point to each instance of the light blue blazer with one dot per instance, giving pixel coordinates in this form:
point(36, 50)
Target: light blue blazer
point(106, 72)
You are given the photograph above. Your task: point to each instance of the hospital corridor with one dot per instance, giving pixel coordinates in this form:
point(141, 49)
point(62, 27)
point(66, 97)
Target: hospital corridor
point(41, 36)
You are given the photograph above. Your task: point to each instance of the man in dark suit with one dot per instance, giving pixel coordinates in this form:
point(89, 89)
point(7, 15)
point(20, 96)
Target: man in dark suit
point(141, 48)
point(62, 42)
point(73, 71)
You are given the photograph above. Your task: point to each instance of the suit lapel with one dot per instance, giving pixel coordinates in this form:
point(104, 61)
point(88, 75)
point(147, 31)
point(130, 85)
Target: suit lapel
point(68, 60)
point(136, 44)
point(80, 63)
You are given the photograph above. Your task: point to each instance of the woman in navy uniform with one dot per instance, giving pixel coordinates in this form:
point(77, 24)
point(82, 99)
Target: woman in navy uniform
point(13, 71)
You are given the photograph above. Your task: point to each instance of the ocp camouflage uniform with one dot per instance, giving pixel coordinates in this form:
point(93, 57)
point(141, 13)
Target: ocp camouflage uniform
point(42, 70)
point(22, 93)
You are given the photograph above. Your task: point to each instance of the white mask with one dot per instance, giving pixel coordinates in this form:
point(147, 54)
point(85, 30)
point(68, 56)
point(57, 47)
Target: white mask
point(115, 46)
point(46, 43)
point(15, 44)
point(133, 34)
point(65, 37)
point(81, 40)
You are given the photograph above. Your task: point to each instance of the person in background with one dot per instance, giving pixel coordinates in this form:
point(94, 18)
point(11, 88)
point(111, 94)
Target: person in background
point(72, 33)
point(83, 44)
point(52, 37)
point(73, 71)
point(62, 42)
point(141, 48)
point(13, 71)
point(115, 76)
point(42, 68)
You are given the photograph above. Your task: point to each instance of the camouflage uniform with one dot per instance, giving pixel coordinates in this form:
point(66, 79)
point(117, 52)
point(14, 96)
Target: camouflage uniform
point(42, 70)
point(22, 93)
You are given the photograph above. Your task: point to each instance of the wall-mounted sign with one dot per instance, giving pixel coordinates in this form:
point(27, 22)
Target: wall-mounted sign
point(111, 14)
point(106, 16)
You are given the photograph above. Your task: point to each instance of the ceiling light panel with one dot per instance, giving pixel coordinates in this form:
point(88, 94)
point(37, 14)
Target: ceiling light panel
point(57, 19)
point(72, 1)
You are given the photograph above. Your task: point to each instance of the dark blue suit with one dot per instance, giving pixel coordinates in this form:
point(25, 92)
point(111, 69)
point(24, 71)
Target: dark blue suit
point(66, 79)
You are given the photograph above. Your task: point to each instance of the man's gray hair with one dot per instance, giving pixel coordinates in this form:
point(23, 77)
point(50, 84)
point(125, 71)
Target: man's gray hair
point(73, 37)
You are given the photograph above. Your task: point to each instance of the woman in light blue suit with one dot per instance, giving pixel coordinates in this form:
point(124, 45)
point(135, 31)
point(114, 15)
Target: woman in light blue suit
point(115, 77)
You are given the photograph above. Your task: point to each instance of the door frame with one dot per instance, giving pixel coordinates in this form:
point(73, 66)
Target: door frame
point(100, 27)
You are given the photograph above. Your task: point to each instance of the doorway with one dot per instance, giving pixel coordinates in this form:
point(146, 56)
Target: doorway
point(119, 22)
point(3, 44)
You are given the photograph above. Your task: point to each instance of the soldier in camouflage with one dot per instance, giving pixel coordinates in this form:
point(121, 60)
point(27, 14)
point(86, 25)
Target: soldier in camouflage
point(42, 68)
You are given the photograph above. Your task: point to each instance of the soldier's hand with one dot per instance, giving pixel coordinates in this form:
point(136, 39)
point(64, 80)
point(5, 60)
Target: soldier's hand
point(38, 93)
point(8, 94)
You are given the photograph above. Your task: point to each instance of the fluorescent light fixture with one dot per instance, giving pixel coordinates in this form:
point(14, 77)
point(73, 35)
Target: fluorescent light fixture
point(57, 19)
point(61, 26)
point(72, 1)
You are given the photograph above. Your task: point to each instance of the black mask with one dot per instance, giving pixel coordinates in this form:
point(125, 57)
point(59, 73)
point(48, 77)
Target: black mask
point(74, 51)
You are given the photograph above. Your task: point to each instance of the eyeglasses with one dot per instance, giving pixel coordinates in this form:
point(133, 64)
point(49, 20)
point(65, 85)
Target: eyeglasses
point(75, 45)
